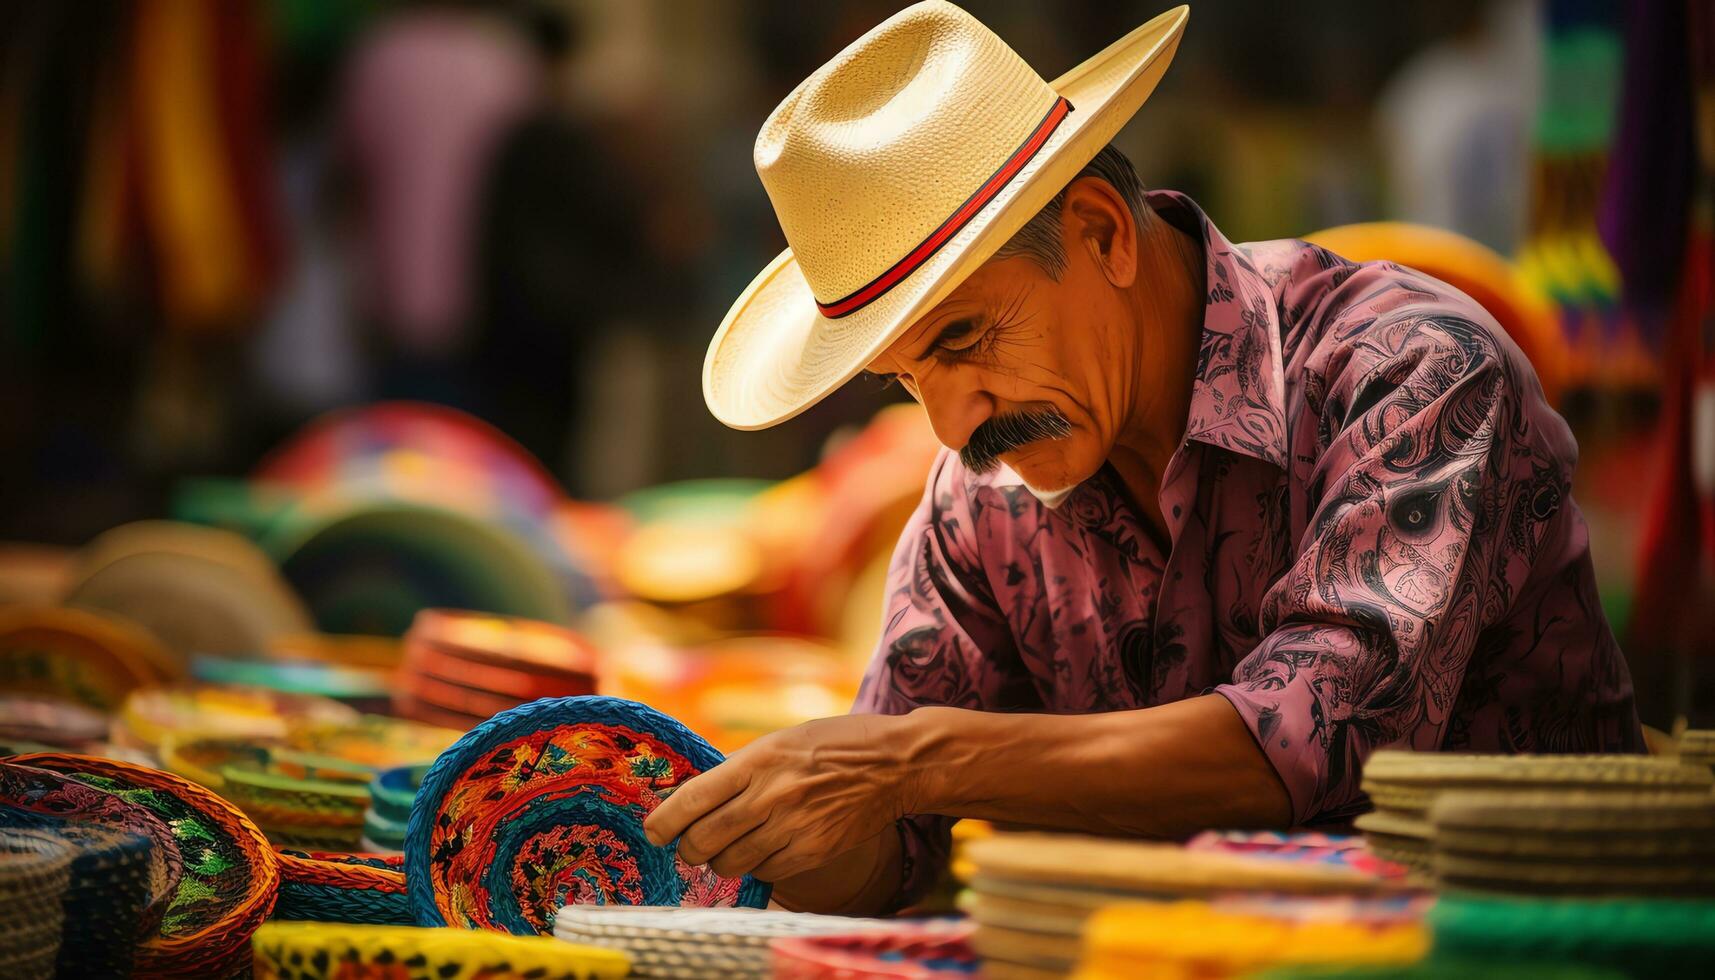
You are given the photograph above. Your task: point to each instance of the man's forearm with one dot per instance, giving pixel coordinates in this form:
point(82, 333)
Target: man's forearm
point(1166, 771)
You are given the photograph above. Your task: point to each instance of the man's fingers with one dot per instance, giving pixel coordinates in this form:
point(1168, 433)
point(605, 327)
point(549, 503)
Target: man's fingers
point(717, 829)
point(745, 853)
point(692, 800)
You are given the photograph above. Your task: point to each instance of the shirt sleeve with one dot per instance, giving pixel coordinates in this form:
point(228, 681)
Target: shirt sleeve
point(943, 642)
point(1441, 471)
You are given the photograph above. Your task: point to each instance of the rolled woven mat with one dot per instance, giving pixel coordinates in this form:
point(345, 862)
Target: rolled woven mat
point(183, 710)
point(230, 879)
point(1574, 842)
point(1194, 940)
point(543, 806)
point(106, 894)
point(35, 869)
point(325, 951)
point(354, 888)
point(26, 791)
point(1640, 938)
point(79, 655)
point(695, 943)
point(901, 951)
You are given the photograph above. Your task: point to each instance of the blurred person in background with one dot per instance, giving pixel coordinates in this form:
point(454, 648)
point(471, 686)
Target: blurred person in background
point(1213, 522)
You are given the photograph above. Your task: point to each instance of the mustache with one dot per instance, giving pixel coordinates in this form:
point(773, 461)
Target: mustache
point(1004, 433)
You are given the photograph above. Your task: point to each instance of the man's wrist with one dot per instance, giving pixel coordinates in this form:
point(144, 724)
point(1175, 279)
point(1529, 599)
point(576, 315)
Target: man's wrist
point(922, 744)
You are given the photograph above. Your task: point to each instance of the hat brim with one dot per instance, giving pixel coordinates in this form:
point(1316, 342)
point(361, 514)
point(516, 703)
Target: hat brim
point(775, 355)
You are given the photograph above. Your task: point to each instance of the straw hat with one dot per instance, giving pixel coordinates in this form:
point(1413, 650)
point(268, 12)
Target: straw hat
point(896, 170)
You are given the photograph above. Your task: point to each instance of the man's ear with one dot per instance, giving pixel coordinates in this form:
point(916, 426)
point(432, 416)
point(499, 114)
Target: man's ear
point(1097, 222)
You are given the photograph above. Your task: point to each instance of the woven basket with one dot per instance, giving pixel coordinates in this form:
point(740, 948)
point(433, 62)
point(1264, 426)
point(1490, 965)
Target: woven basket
point(323, 951)
point(41, 794)
point(105, 899)
point(350, 888)
point(79, 655)
point(568, 777)
point(35, 870)
point(695, 942)
point(231, 876)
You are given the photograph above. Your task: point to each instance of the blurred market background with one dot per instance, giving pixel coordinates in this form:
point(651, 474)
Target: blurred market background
point(315, 315)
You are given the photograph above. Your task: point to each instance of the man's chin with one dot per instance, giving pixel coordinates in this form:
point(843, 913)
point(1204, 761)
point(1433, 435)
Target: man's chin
point(1051, 499)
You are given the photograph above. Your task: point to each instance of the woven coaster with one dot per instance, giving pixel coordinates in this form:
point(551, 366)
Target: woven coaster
point(1438, 770)
point(1155, 869)
point(1642, 938)
point(695, 942)
point(78, 655)
point(328, 951)
point(543, 806)
point(1042, 951)
point(35, 870)
point(44, 793)
point(1568, 877)
point(352, 888)
point(989, 909)
point(230, 879)
point(1577, 826)
point(896, 952)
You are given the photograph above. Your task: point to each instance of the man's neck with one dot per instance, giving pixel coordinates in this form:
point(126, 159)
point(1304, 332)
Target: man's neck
point(1168, 309)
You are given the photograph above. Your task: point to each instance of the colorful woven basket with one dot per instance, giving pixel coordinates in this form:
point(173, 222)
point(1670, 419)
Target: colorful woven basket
point(899, 952)
point(543, 806)
point(231, 876)
point(35, 869)
point(331, 887)
point(323, 951)
point(43, 795)
point(78, 655)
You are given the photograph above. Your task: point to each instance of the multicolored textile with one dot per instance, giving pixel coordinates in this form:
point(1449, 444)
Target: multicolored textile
point(1371, 542)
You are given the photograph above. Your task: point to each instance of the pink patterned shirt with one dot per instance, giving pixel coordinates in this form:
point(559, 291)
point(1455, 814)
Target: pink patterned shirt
point(1373, 543)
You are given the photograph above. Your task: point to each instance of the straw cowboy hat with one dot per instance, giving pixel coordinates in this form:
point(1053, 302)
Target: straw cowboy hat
point(896, 170)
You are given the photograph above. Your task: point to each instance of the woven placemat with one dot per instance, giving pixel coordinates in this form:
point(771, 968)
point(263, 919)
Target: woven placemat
point(1571, 877)
point(1036, 950)
point(934, 951)
point(1010, 913)
point(328, 951)
point(696, 942)
point(42, 793)
point(543, 806)
point(1155, 869)
point(35, 870)
point(1438, 770)
point(231, 876)
point(1574, 825)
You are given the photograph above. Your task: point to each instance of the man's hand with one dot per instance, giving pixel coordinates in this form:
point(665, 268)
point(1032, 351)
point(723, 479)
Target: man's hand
point(791, 800)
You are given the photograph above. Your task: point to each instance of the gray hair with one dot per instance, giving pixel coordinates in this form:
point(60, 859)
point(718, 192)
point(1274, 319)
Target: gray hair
point(1039, 240)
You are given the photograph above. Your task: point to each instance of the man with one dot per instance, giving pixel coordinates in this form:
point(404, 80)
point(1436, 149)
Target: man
point(1214, 522)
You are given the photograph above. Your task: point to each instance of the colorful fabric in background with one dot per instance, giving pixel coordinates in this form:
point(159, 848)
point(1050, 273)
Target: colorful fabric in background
point(1309, 848)
point(543, 805)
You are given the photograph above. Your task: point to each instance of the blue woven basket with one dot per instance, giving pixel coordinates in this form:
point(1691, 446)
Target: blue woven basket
point(566, 822)
point(354, 888)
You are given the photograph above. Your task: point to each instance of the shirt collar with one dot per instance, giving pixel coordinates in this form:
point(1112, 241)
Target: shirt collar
point(1238, 398)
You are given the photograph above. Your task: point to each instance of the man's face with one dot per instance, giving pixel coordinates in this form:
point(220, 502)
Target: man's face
point(1019, 368)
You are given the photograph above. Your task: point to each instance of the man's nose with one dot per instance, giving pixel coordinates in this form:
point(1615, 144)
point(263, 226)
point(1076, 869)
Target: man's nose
point(955, 406)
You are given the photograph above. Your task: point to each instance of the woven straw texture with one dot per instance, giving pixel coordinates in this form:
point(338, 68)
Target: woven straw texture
point(320, 951)
point(353, 888)
point(44, 793)
point(230, 880)
point(104, 902)
point(35, 869)
point(692, 942)
point(543, 806)
point(1153, 869)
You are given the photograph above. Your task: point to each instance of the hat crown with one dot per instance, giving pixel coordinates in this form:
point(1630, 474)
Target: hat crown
point(883, 144)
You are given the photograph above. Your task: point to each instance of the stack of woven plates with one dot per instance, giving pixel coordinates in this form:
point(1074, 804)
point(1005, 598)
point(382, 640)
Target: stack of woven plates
point(326, 951)
point(1404, 785)
point(1192, 939)
point(461, 668)
point(1031, 894)
point(695, 943)
point(1697, 747)
point(1574, 842)
point(390, 798)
